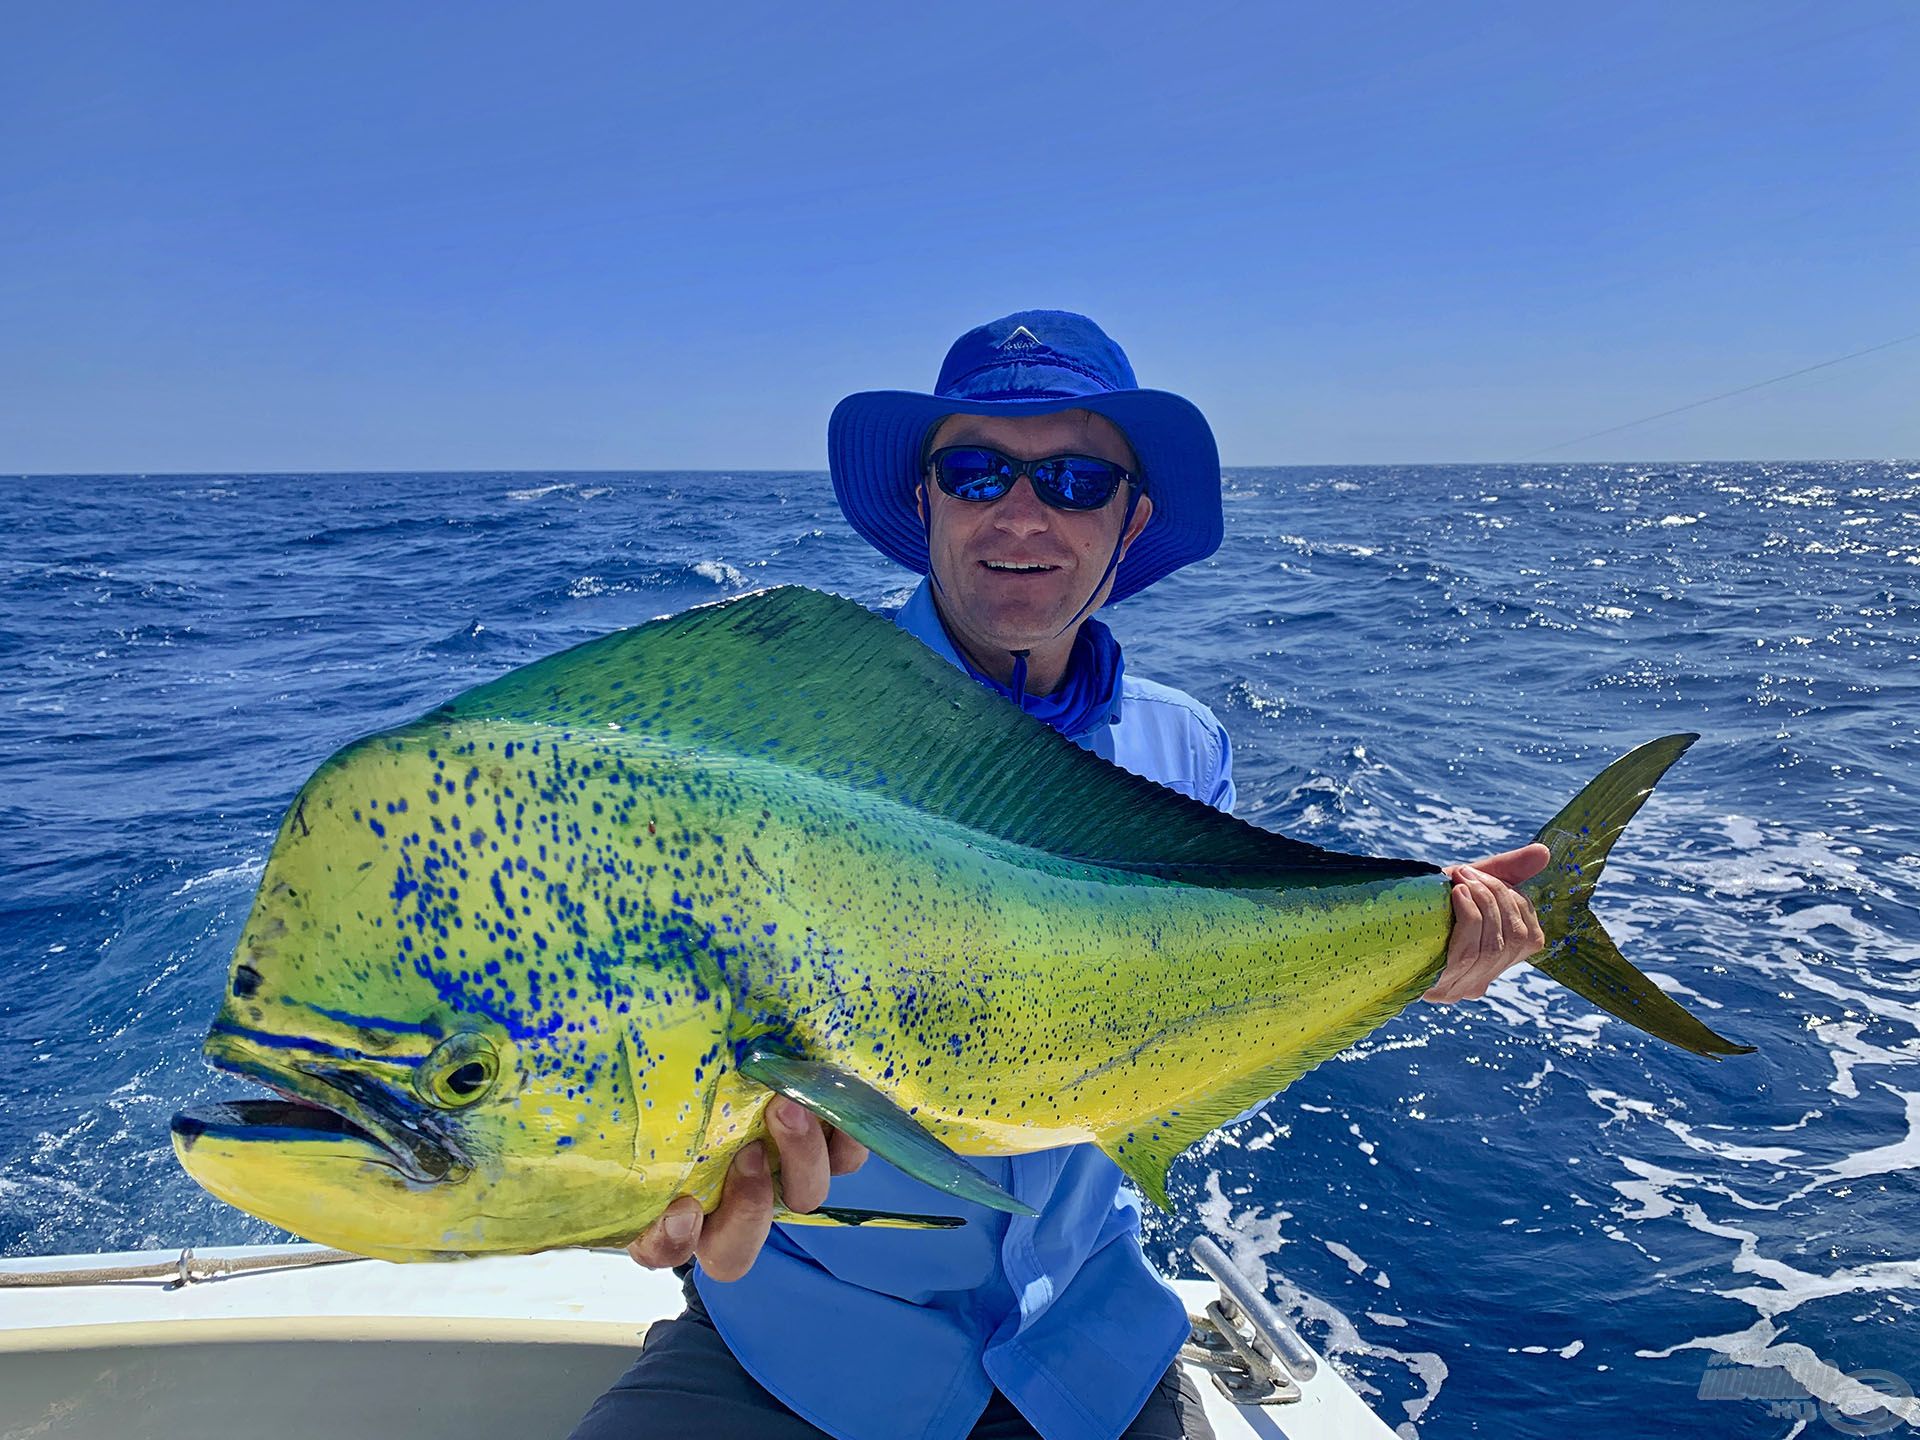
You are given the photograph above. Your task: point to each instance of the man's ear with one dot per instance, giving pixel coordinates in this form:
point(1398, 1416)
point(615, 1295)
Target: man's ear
point(1142, 513)
point(920, 502)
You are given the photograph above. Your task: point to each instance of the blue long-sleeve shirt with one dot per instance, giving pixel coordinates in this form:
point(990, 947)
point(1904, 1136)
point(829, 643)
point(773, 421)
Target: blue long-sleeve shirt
point(879, 1334)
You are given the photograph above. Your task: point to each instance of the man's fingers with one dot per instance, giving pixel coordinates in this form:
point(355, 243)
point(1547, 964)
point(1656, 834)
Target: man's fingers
point(731, 1237)
point(1494, 925)
point(1521, 927)
point(729, 1240)
point(671, 1239)
point(1493, 917)
point(844, 1153)
point(1515, 866)
point(1468, 923)
point(802, 1149)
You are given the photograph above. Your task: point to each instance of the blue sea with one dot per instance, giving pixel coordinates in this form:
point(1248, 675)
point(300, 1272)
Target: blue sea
point(1510, 1218)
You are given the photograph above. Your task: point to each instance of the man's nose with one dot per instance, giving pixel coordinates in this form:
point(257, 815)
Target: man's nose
point(1020, 511)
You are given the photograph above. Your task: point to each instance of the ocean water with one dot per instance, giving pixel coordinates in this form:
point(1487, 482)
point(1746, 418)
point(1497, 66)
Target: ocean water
point(1512, 1218)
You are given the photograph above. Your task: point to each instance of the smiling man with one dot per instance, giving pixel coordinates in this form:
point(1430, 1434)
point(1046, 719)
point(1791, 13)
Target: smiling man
point(1016, 575)
point(1036, 484)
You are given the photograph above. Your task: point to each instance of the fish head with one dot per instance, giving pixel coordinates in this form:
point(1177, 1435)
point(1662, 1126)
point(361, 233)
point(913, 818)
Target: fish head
point(463, 1058)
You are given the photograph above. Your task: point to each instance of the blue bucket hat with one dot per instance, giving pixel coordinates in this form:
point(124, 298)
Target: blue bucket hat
point(1035, 362)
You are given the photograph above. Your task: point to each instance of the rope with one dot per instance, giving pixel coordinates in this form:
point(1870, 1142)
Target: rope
point(184, 1271)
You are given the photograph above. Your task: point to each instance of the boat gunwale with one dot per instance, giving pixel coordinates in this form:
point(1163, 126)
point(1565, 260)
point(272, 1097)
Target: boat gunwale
point(323, 1329)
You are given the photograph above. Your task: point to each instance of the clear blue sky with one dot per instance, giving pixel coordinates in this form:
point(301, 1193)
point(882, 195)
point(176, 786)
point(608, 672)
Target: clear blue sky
point(599, 235)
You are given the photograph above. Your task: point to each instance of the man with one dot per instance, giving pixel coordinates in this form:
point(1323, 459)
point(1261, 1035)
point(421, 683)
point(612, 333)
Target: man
point(1037, 483)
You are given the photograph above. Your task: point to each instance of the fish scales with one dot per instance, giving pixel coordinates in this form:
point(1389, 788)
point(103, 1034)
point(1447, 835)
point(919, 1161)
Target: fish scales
point(981, 954)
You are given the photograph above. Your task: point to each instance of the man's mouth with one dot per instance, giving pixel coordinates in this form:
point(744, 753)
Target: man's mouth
point(1018, 567)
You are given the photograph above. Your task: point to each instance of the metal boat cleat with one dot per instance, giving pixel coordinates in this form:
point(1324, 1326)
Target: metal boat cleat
point(1253, 1355)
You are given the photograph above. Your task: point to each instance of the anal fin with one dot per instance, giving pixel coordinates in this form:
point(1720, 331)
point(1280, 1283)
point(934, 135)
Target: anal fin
point(1148, 1145)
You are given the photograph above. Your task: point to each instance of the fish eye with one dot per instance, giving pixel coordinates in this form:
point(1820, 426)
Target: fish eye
point(458, 1071)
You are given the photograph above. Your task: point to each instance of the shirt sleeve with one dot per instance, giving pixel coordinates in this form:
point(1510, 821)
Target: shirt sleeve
point(1220, 791)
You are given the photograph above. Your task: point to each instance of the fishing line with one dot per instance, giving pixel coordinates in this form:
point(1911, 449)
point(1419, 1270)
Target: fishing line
point(1723, 395)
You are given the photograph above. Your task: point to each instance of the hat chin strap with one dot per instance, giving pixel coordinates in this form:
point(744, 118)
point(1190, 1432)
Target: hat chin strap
point(1019, 685)
point(1113, 560)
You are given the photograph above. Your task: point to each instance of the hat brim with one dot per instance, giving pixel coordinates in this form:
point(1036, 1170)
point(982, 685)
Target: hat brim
point(874, 442)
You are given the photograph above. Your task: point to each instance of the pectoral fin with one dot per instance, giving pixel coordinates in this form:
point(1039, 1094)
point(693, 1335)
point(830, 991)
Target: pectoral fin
point(851, 1104)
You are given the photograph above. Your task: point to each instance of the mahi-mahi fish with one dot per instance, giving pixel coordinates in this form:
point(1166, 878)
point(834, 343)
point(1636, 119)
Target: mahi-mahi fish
point(528, 968)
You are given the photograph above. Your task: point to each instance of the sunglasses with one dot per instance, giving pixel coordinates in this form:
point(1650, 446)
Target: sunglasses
point(1066, 482)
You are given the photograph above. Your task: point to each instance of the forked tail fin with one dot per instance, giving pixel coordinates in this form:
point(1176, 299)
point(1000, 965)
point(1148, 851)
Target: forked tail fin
point(1579, 953)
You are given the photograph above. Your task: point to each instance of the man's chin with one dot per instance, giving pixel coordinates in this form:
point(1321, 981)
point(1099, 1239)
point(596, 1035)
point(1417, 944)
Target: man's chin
point(1019, 623)
point(1021, 640)
point(988, 615)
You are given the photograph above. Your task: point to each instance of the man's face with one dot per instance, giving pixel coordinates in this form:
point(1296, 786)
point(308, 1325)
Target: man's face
point(977, 546)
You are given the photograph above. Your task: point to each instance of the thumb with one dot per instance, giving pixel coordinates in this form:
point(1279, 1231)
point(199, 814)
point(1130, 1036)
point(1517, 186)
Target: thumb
point(1516, 865)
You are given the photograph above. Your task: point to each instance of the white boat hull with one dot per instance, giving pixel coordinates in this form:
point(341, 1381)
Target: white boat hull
point(502, 1347)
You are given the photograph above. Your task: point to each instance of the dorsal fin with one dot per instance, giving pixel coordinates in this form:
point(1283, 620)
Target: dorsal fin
point(820, 683)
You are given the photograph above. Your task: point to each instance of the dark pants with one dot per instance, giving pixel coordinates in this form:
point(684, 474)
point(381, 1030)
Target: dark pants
point(686, 1382)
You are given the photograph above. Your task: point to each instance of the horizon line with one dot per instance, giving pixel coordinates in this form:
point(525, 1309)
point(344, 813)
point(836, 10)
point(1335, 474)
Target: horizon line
point(274, 474)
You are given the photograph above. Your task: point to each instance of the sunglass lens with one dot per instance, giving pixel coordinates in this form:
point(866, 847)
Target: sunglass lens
point(1079, 482)
point(974, 474)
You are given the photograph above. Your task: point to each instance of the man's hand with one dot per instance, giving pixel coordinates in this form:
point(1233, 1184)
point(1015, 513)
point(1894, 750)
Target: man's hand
point(1494, 927)
point(728, 1240)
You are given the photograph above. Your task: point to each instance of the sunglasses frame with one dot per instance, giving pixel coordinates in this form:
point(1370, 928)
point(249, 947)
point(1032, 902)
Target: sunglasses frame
point(1046, 490)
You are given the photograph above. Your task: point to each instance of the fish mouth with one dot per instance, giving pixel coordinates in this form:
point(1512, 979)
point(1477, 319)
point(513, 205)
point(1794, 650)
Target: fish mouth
point(321, 1105)
point(283, 1120)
